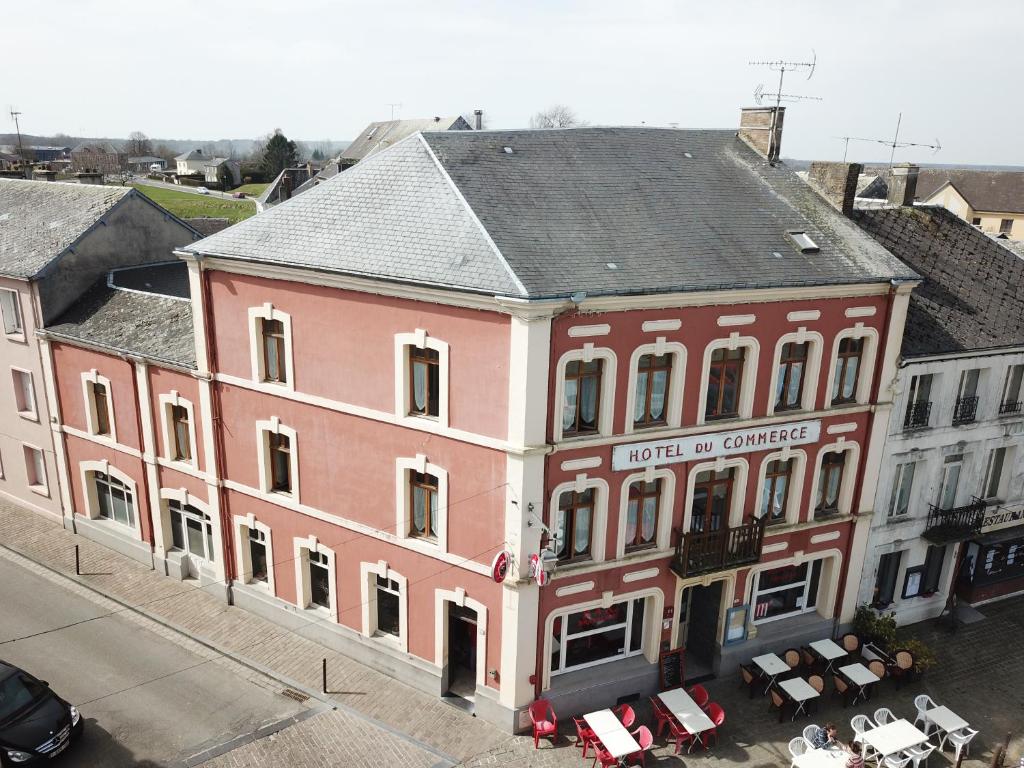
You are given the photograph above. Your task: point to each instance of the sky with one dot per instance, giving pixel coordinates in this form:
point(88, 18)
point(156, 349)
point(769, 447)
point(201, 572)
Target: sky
point(323, 69)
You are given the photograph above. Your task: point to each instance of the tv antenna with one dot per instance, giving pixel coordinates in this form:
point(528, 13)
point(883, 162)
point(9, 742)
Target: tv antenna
point(894, 143)
point(397, 104)
point(17, 127)
point(782, 67)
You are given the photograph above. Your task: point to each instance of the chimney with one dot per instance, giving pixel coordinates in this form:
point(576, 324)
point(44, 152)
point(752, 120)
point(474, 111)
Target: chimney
point(479, 122)
point(903, 184)
point(836, 182)
point(761, 129)
point(286, 186)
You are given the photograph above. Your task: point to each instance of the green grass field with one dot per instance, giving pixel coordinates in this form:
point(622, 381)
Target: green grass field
point(251, 190)
point(188, 205)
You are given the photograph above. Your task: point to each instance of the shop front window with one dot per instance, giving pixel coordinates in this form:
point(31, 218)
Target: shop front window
point(597, 635)
point(787, 591)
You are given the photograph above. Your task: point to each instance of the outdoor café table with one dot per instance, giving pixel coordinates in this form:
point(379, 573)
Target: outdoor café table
point(892, 738)
point(772, 666)
point(945, 718)
point(859, 675)
point(828, 757)
point(612, 734)
point(686, 711)
point(829, 651)
point(800, 691)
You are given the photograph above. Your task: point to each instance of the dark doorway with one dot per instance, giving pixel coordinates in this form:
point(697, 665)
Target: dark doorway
point(462, 637)
point(699, 612)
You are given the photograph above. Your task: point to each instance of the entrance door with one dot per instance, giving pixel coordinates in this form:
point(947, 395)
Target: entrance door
point(462, 637)
point(699, 627)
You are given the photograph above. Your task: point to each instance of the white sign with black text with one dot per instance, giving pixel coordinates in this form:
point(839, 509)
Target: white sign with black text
point(713, 445)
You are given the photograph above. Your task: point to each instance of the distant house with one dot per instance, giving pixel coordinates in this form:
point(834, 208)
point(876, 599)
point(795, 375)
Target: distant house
point(97, 156)
point(50, 154)
point(213, 168)
point(8, 161)
point(145, 162)
point(191, 162)
point(378, 136)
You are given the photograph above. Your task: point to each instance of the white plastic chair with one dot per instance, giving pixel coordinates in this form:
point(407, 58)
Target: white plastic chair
point(810, 732)
point(920, 755)
point(798, 746)
point(860, 723)
point(895, 761)
point(884, 716)
point(923, 703)
point(960, 740)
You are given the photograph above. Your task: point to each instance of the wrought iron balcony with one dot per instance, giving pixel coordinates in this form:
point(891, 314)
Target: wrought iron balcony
point(1012, 406)
point(918, 414)
point(965, 410)
point(700, 552)
point(955, 524)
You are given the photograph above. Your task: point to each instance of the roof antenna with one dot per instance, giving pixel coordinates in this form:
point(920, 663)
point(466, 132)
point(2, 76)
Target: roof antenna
point(17, 127)
point(894, 143)
point(782, 67)
point(393, 105)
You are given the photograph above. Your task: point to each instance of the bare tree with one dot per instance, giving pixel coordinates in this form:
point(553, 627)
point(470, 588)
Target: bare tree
point(556, 116)
point(138, 145)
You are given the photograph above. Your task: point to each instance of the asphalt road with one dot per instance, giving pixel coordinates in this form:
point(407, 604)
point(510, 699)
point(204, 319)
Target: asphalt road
point(148, 700)
point(184, 188)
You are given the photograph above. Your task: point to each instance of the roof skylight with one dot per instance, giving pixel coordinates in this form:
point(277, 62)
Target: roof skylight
point(802, 241)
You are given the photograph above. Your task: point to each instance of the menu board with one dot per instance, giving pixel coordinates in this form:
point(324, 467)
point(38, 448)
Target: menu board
point(671, 666)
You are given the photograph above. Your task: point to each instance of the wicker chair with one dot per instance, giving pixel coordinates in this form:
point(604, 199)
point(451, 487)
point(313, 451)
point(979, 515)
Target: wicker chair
point(878, 668)
point(749, 679)
point(792, 658)
point(841, 688)
point(777, 702)
point(902, 666)
point(851, 644)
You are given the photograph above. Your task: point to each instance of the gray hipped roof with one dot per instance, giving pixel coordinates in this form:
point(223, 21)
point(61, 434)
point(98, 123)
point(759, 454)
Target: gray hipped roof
point(379, 136)
point(545, 213)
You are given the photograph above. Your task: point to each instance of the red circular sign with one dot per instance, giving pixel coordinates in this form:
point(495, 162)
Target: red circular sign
point(499, 568)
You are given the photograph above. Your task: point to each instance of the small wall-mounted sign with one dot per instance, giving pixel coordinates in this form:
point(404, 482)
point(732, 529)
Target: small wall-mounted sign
point(499, 566)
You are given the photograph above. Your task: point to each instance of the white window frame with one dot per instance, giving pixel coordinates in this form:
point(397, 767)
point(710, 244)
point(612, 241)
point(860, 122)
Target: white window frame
point(368, 573)
point(674, 396)
point(186, 499)
point(303, 600)
point(812, 369)
point(794, 492)
point(598, 525)
point(167, 402)
point(263, 430)
point(88, 379)
point(43, 486)
point(944, 474)
point(663, 533)
point(441, 640)
point(606, 408)
point(15, 303)
point(419, 339)
point(256, 354)
point(866, 373)
point(87, 470)
point(899, 477)
point(242, 527)
point(846, 488)
point(419, 463)
point(1005, 470)
point(31, 412)
point(739, 486)
point(748, 384)
point(1008, 380)
point(755, 592)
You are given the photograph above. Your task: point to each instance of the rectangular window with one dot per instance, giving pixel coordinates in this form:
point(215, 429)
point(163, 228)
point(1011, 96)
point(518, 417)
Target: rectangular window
point(191, 530)
point(10, 309)
point(258, 555)
point(573, 522)
point(903, 483)
point(280, 462)
point(919, 402)
point(24, 394)
point(774, 497)
point(1010, 402)
point(35, 467)
point(652, 379)
point(424, 382)
point(712, 500)
point(319, 580)
point(274, 369)
point(1005, 226)
point(885, 579)
point(182, 449)
point(847, 372)
point(642, 514)
point(100, 405)
point(725, 376)
point(387, 606)
point(933, 569)
point(789, 388)
point(994, 473)
point(597, 636)
point(830, 483)
point(114, 499)
point(950, 481)
point(976, 221)
point(581, 406)
point(787, 591)
point(966, 408)
point(423, 505)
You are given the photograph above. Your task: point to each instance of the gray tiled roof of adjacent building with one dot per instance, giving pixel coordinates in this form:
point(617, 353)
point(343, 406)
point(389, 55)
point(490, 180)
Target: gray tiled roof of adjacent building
point(972, 297)
point(192, 154)
point(39, 220)
point(995, 191)
point(378, 136)
point(147, 320)
point(673, 210)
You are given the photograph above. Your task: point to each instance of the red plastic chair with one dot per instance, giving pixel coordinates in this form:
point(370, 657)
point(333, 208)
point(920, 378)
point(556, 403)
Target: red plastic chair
point(605, 758)
point(700, 695)
point(626, 714)
point(645, 739)
point(585, 737)
point(545, 723)
point(679, 734)
point(717, 715)
point(662, 716)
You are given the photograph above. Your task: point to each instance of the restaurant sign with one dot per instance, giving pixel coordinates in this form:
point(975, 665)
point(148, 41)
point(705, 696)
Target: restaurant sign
point(1002, 517)
point(714, 444)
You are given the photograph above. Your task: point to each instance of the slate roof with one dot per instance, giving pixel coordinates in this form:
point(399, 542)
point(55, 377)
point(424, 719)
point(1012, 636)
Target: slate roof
point(996, 191)
point(97, 146)
point(972, 297)
point(192, 154)
point(39, 220)
point(378, 136)
point(673, 210)
point(145, 321)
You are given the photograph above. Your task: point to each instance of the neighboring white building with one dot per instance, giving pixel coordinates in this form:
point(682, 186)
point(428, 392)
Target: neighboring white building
point(191, 162)
point(949, 511)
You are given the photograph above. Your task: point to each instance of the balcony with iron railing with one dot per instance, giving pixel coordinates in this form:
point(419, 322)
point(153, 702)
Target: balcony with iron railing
point(956, 523)
point(699, 552)
point(965, 410)
point(918, 414)
point(1010, 407)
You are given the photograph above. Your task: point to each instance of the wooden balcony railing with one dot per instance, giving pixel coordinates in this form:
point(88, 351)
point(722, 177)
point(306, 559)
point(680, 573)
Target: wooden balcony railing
point(700, 552)
point(955, 524)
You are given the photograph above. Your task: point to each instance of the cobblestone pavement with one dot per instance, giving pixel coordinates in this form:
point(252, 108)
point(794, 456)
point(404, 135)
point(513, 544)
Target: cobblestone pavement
point(382, 722)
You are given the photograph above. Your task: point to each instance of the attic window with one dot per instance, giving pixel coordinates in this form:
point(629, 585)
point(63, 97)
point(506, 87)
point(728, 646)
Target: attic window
point(508, 150)
point(802, 241)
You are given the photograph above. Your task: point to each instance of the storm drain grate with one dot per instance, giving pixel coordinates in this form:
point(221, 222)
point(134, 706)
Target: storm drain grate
point(296, 695)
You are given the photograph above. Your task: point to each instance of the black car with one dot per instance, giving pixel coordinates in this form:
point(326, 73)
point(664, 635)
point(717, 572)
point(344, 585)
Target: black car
point(35, 723)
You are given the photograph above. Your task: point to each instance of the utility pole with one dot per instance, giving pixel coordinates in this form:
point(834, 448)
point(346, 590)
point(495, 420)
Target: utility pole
point(17, 127)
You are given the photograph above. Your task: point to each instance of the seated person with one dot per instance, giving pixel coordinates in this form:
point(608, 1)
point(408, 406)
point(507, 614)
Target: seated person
point(854, 760)
point(824, 737)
